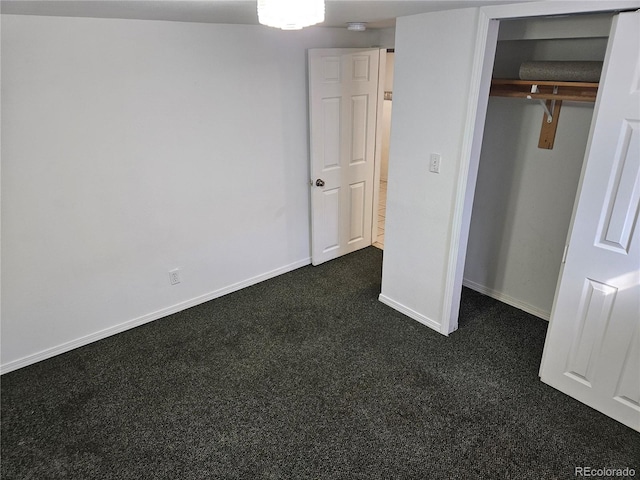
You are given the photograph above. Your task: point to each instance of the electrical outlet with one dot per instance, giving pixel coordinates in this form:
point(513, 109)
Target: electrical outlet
point(174, 276)
point(434, 163)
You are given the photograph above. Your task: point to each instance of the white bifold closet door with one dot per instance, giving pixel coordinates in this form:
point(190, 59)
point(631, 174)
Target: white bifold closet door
point(592, 351)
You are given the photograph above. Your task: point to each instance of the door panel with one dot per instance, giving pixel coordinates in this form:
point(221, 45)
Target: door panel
point(622, 194)
point(358, 208)
point(330, 146)
point(595, 310)
point(592, 349)
point(359, 129)
point(343, 99)
point(331, 210)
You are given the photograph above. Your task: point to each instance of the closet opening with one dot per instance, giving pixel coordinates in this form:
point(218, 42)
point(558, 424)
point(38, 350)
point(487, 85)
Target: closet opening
point(525, 191)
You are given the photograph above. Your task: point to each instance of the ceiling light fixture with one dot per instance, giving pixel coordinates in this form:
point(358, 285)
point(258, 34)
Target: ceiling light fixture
point(356, 26)
point(290, 14)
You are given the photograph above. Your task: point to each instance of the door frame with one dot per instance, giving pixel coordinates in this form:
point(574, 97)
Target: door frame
point(486, 41)
point(372, 140)
point(377, 156)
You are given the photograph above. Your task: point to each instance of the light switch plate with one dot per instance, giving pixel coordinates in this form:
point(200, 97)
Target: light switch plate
point(434, 163)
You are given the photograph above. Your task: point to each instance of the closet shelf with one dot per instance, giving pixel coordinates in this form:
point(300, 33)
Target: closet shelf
point(544, 90)
point(550, 94)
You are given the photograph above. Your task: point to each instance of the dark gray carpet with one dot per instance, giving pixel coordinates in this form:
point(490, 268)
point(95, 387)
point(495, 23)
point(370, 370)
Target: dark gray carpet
point(306, 376)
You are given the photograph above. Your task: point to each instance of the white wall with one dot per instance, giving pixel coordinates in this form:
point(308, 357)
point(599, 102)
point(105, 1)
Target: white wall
point(431, 85)
point(584, 26)
point(388, 73)
point(130, 148)
point(387, 37)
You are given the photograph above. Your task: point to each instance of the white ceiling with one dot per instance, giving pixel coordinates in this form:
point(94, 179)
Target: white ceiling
point(377, 13)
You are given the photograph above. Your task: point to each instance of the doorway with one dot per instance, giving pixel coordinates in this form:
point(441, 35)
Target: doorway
point(381, 208)
point(344, 97)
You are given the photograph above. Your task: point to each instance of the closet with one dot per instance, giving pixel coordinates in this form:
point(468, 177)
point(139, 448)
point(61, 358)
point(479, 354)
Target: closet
point(531, 162)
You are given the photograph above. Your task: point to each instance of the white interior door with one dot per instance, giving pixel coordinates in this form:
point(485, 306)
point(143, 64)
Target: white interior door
point(592, 350)
point(343, 101)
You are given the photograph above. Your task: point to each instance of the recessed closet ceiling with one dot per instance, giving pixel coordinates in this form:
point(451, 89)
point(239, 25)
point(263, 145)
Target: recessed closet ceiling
point(377, 13)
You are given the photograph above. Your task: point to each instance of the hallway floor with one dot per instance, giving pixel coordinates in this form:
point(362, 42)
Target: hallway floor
point(382, 207)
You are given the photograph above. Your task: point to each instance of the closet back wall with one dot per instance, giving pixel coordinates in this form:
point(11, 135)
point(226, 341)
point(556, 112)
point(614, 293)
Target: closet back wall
point(523, 203)
point(130, 148)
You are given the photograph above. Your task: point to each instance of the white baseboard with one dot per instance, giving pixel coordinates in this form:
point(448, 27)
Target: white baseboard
point(514, 302)
point(150, 317)
point(410, 313)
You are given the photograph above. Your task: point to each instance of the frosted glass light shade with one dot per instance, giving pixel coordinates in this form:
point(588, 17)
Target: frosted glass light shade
point(290, 14)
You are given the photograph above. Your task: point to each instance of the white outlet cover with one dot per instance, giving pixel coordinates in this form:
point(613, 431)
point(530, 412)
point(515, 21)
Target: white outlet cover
point(174, 276)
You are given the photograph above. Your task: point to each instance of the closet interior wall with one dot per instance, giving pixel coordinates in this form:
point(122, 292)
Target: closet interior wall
point(525, 195)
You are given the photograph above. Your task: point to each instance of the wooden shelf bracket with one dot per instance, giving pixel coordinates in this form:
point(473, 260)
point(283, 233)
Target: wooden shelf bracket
point(547, 110)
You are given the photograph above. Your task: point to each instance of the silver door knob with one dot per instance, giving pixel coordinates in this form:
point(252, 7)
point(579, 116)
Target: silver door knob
point(319, 183)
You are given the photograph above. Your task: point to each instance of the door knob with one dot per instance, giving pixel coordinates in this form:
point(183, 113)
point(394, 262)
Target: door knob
point(319, 183)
